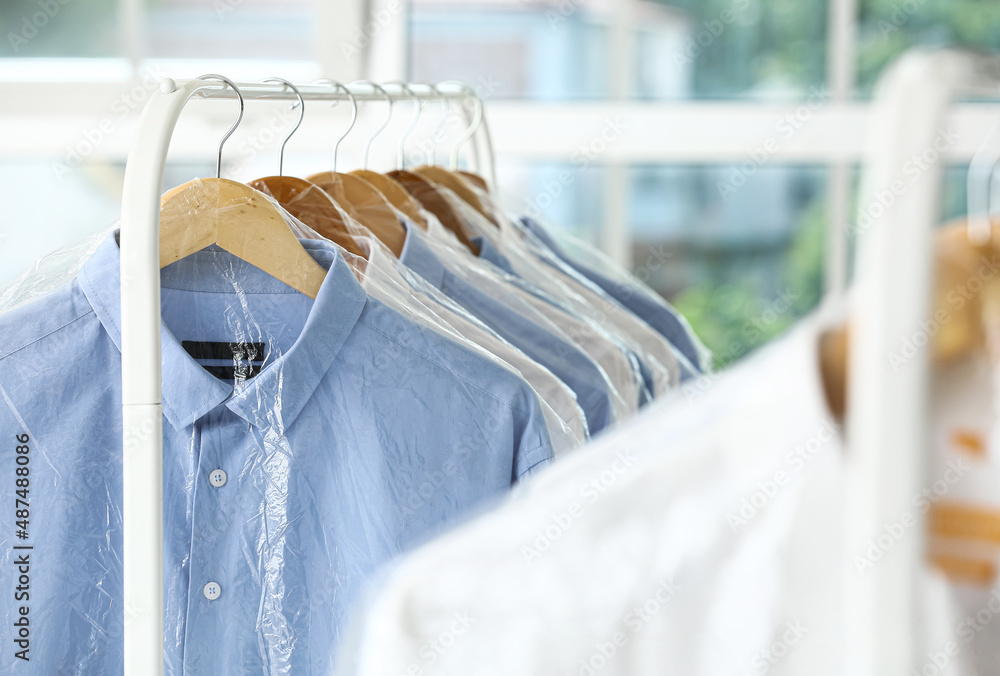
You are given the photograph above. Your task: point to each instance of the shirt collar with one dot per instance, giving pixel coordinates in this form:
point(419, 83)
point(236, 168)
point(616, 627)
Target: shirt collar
point(418, 256)
point(535, 228)
point(284, 386)
point(488, 252)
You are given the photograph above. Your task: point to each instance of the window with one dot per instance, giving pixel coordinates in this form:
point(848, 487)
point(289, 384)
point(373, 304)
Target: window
point(696, 85)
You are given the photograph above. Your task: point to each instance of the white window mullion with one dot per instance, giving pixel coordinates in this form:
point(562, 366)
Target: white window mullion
point(132, 27)
point(841, 69)
point(340, 48)
point(615, 234)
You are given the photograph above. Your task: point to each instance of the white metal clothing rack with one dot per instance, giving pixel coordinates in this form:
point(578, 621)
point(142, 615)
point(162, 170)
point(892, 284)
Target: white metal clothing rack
point(887, 440)
point(142, 412)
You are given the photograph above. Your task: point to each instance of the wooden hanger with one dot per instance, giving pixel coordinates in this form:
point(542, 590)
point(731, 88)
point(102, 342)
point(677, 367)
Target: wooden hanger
point(364, 203)
point(395, 194)
point(475, 179)
point(966, 287)
point(434, 202)
point(312, 205)
point(456, 184)
point(307, 202)
point(237, 218)
point(240, 220)
point(360, 199)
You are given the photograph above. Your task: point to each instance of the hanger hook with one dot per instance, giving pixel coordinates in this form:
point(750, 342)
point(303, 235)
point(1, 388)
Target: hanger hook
point(239, 94)
point(432, 154)
point(401, 153)
point(385, 122)
point(302, 113)
point(477, 120)
point(354, 114)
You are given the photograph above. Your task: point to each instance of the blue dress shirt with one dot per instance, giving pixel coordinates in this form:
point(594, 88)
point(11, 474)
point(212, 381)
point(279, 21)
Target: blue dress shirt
point(653, 311)
point(489, 253)
point(361, 435)
point(566, 361)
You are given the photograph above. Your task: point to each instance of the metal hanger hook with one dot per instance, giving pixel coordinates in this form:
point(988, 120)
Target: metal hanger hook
point(385, 122)
point(354, 114)
point(401, 153)
point(477, 121)
point(239, 94)
point(431, 155)
point(302, 113)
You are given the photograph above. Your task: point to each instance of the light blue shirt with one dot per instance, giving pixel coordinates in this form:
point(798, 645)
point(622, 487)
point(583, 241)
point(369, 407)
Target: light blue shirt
point(566, 361)
point(654, 311)
point(362, 435)
point(489, 253)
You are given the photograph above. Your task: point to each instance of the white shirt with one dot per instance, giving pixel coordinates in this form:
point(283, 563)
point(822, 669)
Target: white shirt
point(702, 538)
point(383, 279)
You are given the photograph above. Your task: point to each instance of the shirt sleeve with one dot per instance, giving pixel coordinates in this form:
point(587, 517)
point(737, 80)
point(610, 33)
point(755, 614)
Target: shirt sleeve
point(533, 446)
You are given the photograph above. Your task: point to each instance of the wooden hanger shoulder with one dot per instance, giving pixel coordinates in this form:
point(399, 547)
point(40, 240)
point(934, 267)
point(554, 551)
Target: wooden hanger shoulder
point(434, 202)
point(456, 184)
point(474, 179)
point(395, 194)
point(366, 205)
point(240, 220)
point(310, 204)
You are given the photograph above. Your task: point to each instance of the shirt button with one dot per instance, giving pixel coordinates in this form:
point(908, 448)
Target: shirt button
point(217, 478)
point(212, 591)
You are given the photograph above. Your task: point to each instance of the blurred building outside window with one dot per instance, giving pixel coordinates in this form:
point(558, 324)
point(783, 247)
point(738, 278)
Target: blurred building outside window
point(731, 255)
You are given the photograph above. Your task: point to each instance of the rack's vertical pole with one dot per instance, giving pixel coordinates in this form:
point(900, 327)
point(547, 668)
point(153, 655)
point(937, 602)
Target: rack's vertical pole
point(888, 402)
point(142, 412)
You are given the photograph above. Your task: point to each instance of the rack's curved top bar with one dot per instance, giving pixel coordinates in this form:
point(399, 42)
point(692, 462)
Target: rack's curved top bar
point(142, 460)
